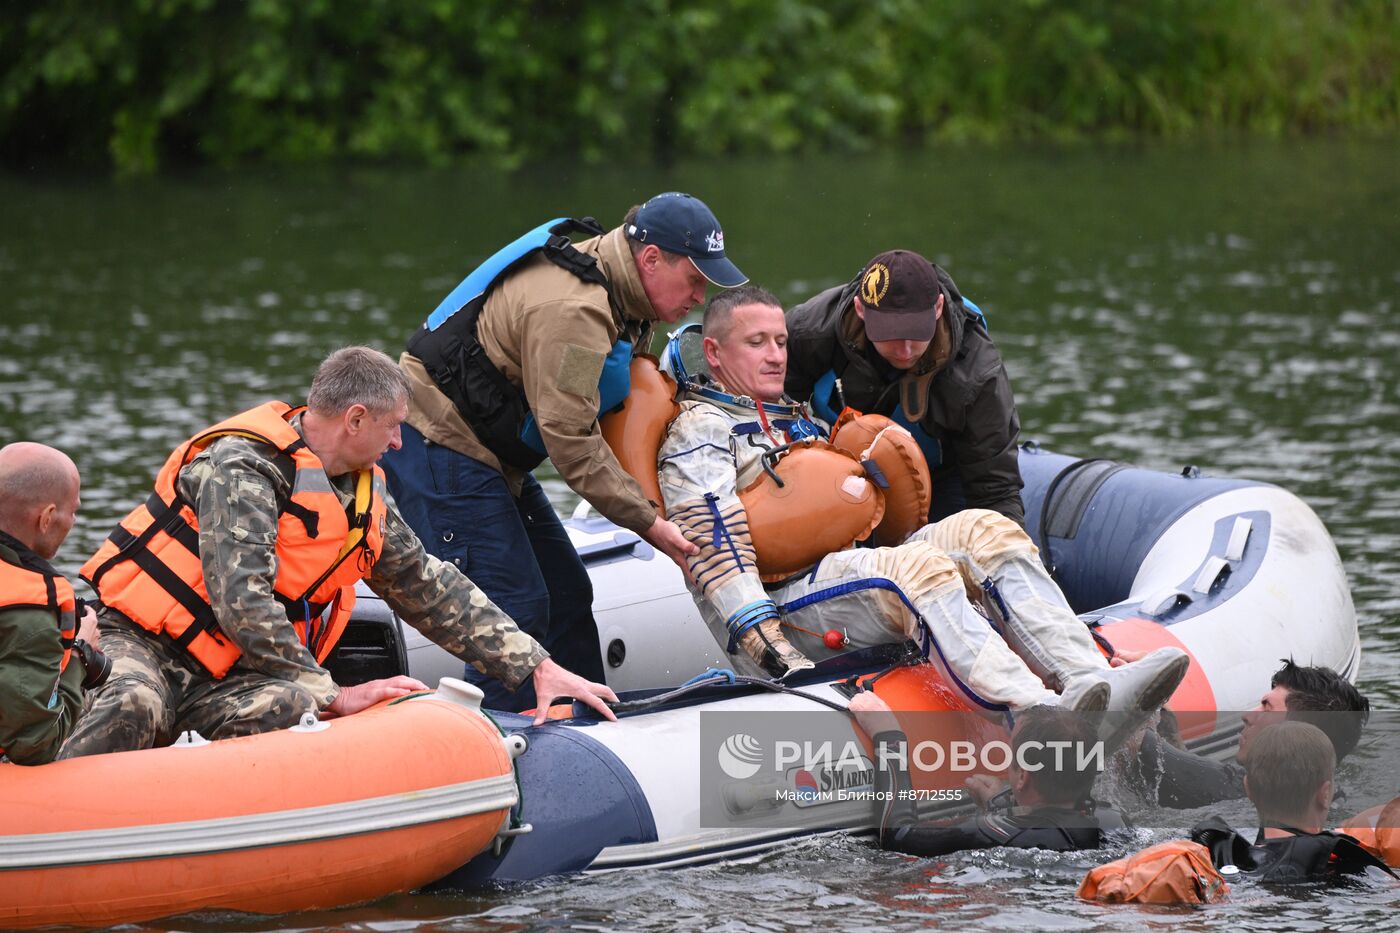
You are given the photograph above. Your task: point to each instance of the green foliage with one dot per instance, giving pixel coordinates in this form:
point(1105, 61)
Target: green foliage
point(140, 84)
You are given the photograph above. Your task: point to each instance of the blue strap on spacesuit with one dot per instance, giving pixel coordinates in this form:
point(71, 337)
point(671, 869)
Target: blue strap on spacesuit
point(927, 641)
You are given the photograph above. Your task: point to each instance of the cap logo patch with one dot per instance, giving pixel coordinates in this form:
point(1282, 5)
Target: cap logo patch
point(715, 241)
point(875, 284)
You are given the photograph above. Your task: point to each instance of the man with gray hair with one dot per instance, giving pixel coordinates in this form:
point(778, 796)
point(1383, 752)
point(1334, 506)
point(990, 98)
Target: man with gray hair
point(47, 638)
point(224, 591)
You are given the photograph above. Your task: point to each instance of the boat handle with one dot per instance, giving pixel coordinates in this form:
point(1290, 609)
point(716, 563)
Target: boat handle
point(1239, 537)
point(1212, 572)
point(1163, 601)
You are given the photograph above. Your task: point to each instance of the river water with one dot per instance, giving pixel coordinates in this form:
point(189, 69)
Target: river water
point(1232, 305)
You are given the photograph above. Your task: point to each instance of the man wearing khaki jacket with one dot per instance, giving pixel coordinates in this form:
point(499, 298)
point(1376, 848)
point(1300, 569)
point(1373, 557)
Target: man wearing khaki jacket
point(517, 364)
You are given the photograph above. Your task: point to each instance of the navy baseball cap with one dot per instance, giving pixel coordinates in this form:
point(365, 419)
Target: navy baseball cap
point(682, 224)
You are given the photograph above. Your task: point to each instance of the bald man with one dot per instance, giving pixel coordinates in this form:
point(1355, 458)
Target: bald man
point(47, 656)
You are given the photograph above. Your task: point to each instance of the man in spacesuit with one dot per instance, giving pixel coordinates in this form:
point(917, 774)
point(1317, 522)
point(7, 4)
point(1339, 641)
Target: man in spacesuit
point(733, 411)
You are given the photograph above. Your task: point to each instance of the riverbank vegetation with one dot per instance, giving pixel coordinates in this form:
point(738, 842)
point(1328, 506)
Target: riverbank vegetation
point(141, 85)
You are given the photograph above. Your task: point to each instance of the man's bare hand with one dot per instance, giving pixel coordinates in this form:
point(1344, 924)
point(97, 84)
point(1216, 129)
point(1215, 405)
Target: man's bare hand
point(1122, 657)
point(667, 538)
point(351, 700)
point(983, 788)
point(873, 714)
point(553, 681)
point(87, 626)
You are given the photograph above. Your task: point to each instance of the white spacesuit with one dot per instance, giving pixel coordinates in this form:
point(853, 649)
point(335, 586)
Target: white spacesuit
point(919, 590)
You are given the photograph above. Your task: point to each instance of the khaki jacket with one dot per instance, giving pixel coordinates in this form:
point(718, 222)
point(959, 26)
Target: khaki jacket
point(549, 332)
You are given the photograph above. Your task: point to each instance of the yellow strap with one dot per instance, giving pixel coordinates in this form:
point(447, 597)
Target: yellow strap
point(364, 492)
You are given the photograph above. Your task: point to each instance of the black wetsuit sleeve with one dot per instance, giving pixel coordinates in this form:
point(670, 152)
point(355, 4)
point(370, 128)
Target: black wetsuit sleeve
point(900, 829)
point(1188, 780)
point(930, 839)
point(892, 784)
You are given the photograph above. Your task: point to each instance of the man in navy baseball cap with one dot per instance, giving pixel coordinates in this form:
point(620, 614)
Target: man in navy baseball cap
point(682, 224)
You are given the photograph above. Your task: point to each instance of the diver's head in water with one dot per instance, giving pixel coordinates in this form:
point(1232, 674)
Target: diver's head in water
point(1316, 695)
point(1290, 776)
point(1055, 747)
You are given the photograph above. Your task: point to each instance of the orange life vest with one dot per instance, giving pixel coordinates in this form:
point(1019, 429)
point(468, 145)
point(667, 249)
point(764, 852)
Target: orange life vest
point(31, 588)
point(635, 430)
point(149, 568)
point(908, 489)
point(824, 504)
point(1378, 831)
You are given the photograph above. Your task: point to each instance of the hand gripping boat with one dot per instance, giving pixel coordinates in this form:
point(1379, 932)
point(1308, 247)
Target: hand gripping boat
point(320, 815)
point(1237, 573)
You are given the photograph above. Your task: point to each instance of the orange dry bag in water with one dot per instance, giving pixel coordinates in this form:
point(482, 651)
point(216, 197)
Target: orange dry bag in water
point(1175, 872)
point(897, 454)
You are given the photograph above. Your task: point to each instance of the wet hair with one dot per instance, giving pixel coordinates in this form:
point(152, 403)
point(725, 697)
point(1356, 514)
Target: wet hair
point(1321, 696)
point(1288, 763)
point(1073, 782)
point(720, 310)
point(357, 376)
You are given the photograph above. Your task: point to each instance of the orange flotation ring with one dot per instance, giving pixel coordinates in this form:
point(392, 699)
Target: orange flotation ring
point(635, 430)
point(1378, 831)
point(897, 454)
point(825, 504)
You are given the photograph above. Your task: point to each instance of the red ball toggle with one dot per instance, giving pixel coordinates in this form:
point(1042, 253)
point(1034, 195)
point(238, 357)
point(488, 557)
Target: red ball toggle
point(834, 639)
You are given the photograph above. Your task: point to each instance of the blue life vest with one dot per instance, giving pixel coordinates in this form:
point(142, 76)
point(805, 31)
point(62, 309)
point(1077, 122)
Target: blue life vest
point(613, 387)
point(480, 279)
point(497, 410)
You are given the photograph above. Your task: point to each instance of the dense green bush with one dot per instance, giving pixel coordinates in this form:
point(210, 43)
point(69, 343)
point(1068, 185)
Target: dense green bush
point(139, 84)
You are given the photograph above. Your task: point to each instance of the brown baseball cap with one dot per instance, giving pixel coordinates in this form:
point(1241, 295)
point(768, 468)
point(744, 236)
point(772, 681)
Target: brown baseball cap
point(899, 292)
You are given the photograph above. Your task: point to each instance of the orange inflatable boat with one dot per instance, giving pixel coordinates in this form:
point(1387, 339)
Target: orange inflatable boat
point(320, 815)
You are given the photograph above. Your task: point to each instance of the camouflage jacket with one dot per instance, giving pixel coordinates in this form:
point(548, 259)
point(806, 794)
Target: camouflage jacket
point(237, 488)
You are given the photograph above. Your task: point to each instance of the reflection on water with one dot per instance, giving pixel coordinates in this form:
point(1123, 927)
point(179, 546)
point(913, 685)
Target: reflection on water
point(1233, 308)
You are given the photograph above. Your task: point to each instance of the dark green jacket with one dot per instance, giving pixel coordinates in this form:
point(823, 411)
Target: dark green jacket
point(37, 707)
point(958, 392)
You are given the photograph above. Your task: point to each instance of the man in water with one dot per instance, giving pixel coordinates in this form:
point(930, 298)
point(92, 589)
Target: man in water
point(1291, 770)
point(1308, 694)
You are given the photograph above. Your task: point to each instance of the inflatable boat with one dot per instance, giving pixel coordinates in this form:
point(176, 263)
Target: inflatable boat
point(1237, 573)
point(320, 815)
